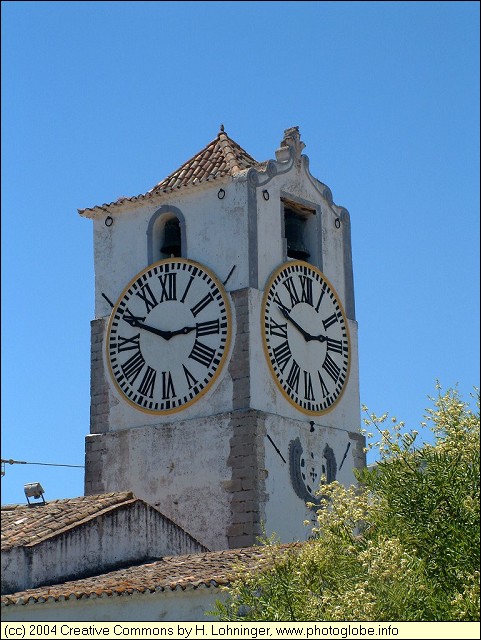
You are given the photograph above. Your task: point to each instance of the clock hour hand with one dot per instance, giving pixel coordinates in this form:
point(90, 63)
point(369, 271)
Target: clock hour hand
point(320, 337)
point(307, 336)
point(182, 331)
point(137, 324)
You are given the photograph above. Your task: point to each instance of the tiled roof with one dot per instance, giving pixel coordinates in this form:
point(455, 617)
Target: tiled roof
point(172, 573)
point(221, 157)
point(24, 525)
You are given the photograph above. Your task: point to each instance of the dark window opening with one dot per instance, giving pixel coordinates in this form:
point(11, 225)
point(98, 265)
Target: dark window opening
point(295, 230)
point(171, 245)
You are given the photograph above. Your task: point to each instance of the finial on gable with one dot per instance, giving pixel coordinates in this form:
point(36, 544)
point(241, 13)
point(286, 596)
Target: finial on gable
point(290, 145)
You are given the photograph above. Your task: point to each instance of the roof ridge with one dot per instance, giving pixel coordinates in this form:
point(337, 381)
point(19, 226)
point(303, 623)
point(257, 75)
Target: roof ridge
point(120, 495)
point(63, 514)
point(87, 518)
point(228, 145)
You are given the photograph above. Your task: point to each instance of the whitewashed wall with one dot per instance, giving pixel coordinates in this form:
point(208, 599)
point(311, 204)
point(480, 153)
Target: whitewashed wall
point(190, 605)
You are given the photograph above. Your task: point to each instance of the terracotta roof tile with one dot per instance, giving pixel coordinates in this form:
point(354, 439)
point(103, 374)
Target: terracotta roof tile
point(172, 573)
point(221, 157)
point(24, 525)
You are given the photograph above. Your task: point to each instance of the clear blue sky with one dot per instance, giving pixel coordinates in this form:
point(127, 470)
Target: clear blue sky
point(105, 99)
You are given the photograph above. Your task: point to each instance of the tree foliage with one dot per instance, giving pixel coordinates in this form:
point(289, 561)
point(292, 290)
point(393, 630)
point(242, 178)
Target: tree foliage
point(403, 545)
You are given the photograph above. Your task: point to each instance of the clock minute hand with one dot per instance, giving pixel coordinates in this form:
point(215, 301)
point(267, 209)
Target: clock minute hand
point(134, 322)
point(286, 315)
point(307, 336)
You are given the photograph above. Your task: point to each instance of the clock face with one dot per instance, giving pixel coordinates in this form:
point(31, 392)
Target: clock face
point(305, 335)
point(168, 336)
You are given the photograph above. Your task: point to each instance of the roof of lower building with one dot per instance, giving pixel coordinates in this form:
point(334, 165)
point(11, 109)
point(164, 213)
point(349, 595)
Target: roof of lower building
point(193, 571)
point(221, 157)
point(27, 525)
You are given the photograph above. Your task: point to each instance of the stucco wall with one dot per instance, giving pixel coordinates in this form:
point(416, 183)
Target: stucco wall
point(189, 605)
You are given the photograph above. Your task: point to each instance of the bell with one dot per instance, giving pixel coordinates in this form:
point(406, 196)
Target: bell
point(172, 243)
point(294, 229)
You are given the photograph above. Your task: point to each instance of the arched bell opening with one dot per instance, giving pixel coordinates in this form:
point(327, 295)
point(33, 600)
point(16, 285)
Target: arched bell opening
point(166, 234)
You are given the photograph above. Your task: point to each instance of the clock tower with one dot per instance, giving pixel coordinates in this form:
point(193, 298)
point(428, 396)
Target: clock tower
point(224, 367)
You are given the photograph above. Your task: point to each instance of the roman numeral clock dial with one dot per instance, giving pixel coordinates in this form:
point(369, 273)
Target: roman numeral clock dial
point(306, 338)
point(168, 336)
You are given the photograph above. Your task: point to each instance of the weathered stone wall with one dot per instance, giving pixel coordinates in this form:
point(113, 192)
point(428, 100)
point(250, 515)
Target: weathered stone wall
point(247, 486)
point(100, 393)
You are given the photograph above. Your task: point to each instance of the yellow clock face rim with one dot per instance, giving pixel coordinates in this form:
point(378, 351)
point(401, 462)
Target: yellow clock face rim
point(275, 280)
point(199, 271)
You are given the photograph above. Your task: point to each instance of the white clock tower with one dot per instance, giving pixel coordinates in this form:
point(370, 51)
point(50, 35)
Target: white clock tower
point(224, 366)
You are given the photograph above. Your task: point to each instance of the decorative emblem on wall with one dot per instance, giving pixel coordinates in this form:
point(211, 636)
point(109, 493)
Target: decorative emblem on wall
point(307, 471)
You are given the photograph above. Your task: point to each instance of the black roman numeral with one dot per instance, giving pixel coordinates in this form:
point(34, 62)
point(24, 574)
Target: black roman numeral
point(330, 321)
point(278, 329)
point(125, 344)
point(324, 389)
point(168, 283)
point(279, 302)
point(148, 297)
point(148, 383)
point(323, 291)
point(202, 353)
point(293, 377)
point(196, 309)
point(184, 295)
point(308, 390)
point(206, 328)
point(289, 285)
point(306, 289)
point(133, 366)
point(168, 390)
point(282, 354)
point(191, 381)
point(334, 345)
point(331, 367)
point(128, 316)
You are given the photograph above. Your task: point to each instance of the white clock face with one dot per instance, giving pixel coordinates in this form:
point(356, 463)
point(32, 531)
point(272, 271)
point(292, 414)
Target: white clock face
point(306, 339)
point(168, 336)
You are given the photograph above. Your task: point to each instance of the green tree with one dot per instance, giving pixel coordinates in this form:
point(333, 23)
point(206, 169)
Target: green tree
point(403, 545)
